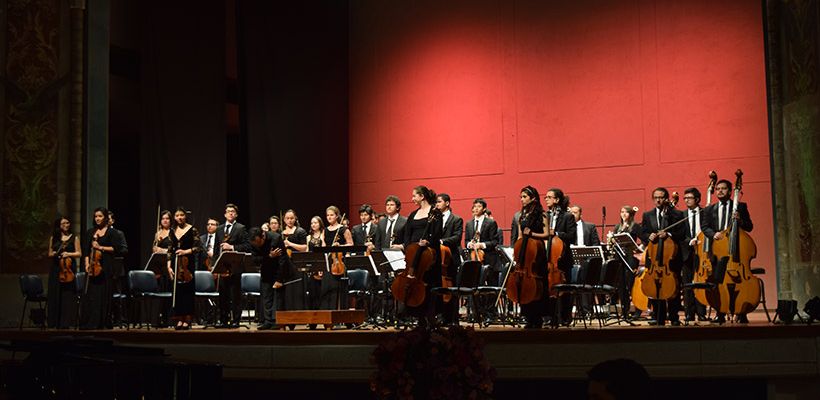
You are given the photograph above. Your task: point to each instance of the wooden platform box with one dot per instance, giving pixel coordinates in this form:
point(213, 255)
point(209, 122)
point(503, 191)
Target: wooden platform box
point(326, 317)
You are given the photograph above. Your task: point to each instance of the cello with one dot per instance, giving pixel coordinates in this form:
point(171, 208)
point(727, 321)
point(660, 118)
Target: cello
point(704, 249)
point(554, 247)
point(523, 283)
point(659, 282)
point(409, 287)
point(738, 291)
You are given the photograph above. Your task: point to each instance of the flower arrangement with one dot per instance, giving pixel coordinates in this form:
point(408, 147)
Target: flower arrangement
point(443, 363)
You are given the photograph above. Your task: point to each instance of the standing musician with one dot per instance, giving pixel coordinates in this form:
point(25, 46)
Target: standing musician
point(336, 234)
point(366, 234)
point(531, 224)
point(269, 252)
point(452, 229)
point(315, 239)
point(628, 225)
point(391, 227)
point(181, 266)
point(716, 220)
point(561, 224)
point(295, 239)
point(119, 262)
point(274, 224)
point(101, 246)
point(585, 233)
point(652, 223)
point(208, 241)
point(481, 233)
point(417, 221)
point(689, 253)
point(64, 250)
point(231, 236)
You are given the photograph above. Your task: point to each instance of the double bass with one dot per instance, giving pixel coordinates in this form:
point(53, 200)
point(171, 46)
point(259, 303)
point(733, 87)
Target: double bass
point(704, 249)
point(524, 283)
point(739, 290)
point(659, 282)
point(409, 287)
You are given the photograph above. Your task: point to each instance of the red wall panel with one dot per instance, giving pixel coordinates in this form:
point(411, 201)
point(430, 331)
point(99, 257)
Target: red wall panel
point(606, 100)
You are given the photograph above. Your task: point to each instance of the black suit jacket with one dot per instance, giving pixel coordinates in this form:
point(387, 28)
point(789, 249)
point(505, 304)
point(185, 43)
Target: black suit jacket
point(238, 238)
point(272, 269)
point(451, 237)
point(590, 234)
point(398, 232)
point(514, 228)
point(565, 229)
point(709, 222)
point(359, 237)
point(685, 249)
point(649, 225)
point(487, 234)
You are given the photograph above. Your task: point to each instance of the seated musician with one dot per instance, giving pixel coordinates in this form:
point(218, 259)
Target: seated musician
point(716, 221)
point(653, 227)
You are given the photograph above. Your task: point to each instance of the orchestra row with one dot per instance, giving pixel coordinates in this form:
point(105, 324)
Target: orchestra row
point(692, 258)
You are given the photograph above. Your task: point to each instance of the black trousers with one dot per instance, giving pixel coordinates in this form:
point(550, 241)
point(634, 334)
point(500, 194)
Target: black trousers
point(230, 299)
point(691, 305)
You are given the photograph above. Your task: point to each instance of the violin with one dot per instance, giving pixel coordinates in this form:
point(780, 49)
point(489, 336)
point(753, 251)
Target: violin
point(659, 282)
point(477, 254)
point(704, 249)
point(66, 274)
point(554, 247)
point(523, 282)
point(337, 268)
point(95, 261)
point(739, 290)
point(408, 287)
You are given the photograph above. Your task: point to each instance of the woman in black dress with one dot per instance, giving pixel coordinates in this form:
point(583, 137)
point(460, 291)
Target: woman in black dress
point(336, 234)
point(531, 224)
point(628, 225)
point(414, 232)
point(295, 242)
point(185, 243)
point(63, 247)
point(101, 243)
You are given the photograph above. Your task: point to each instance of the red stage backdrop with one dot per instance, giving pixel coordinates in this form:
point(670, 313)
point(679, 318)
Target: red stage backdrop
point(606, 100)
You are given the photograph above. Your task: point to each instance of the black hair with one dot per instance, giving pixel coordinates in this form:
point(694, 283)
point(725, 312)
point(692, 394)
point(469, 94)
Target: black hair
point(661, 189)
point(481, 201)
point(727, 182)
point(365, 208)
point(104, 212)
point(428, 194)
point(232, 205)
point(394, 199)
point(560, 197)
point(255, 232)
point(694, 191)
point(444, 197)
point(57, 233)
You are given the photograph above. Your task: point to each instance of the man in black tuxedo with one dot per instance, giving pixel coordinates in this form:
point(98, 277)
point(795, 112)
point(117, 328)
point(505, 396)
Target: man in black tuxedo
point(453, 227)
point(231, 236)
point(585, 232)
point(391, 227)
point(268, 249)
point(717, 218)
point(653, 226)
point(481, 233)
point(366, 234)
point(209, 244)
point(689, 253)
point(561, 223)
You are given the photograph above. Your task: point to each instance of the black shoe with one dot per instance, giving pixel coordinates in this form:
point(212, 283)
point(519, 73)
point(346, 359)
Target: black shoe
point(718, 320)
point(702, 317)
point(690, 318)
point(263, 327)
point(675, 322)
point(742, 319)
point(312, 327)
point(653, 322)
point(531, 326)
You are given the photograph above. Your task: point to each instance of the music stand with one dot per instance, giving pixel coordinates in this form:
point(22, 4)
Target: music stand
point(624, 244)
point(231, 263)
point(309, 263)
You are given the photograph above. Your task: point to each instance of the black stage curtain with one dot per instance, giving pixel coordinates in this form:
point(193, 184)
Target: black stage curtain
point(293, 66)
point(183, 142)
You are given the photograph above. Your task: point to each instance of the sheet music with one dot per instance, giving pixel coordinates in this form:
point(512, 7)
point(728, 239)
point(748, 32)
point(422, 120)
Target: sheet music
point(508, 251)
point(396, 258)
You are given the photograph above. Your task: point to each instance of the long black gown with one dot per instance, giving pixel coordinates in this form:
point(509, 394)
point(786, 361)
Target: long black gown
point(413, 233)
point(294, 295)
point(185, 291)
point(62, 304)
point(333, 295)
point(96, 304)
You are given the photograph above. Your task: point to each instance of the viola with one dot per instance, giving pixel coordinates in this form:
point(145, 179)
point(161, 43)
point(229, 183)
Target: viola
point(66, 274)
point(704, 249)
point(739, 291)
point(524, 283)
point(337, 268)
point(409, 287)
point(477, 254)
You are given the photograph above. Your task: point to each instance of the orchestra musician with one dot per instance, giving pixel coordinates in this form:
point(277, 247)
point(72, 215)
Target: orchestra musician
point(208, 241)
point(295, 240)
point(274, 224)
point(96, 303)
point(414, 231)
point(652, 224)
point(481, 233)
point(231, 236)
point(366, 234)
point(561, 224)
point(63, 247)
point(335, 234)
point(585, 233)
point(689, 253)
point(315, 239)
point(391, 227)
point(629, 226)
point(185, 243)
point(531, 224)
point(119, 262)
point(452, 230)
point(716, 220)
point(269, 252)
